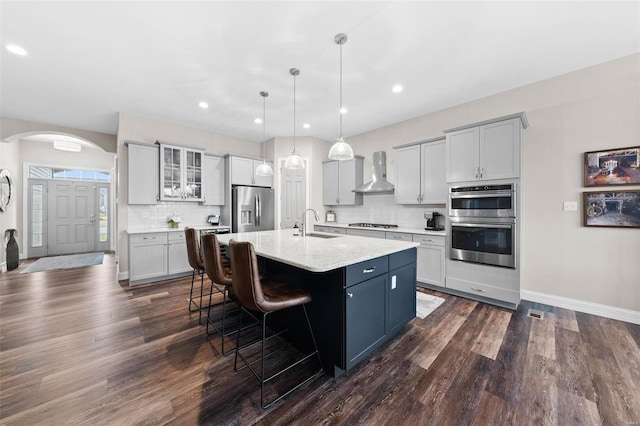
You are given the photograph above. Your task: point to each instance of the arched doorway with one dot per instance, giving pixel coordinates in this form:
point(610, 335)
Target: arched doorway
point(65, 193)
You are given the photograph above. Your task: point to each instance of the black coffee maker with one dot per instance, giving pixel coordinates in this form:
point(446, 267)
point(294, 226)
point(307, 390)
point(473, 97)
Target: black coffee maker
point(435, 221)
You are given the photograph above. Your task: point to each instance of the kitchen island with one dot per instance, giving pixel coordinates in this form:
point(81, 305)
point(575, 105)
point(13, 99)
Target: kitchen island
point(363, 290)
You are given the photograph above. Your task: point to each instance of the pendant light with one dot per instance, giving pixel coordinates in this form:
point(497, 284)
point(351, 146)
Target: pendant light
point(340, 150)
point(264, 169)
point(294, 161)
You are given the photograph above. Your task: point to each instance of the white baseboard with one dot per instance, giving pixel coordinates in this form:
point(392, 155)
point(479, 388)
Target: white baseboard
point(123, 276)
point(606, 311)
point(3, 266)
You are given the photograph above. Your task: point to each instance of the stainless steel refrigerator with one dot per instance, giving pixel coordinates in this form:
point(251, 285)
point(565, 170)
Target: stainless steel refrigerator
point(252, 209)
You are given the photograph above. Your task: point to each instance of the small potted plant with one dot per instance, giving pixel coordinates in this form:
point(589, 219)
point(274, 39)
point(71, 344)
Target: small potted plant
point(174, 221)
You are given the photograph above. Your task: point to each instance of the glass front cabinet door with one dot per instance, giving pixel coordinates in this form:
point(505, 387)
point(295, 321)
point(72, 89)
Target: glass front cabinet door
point(180, 173)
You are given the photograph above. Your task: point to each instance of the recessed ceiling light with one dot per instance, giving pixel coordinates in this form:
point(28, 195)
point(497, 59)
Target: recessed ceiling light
point(16, 49)
point(306, 125)
point(258, 120)
point(343, 110)
point(397, 88)
point(203, 105)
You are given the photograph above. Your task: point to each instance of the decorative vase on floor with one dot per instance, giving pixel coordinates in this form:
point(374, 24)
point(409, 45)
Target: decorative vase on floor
point(12, 249)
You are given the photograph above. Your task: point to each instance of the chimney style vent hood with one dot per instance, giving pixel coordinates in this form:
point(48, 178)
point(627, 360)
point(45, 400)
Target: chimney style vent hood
point(379, 182)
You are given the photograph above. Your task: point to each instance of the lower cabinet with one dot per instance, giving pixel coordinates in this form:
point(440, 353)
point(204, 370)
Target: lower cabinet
point(380, 306)
point(402, 296)
point(365, 322)
point(431, 259)
point(178, 259)
point(157, 256)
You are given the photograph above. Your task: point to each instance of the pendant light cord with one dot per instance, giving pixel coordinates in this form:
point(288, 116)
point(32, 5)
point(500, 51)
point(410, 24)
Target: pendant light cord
point(340, 112)
point(294, 113)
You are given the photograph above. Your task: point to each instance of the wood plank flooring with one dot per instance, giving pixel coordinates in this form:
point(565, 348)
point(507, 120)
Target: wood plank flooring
point(77, 347)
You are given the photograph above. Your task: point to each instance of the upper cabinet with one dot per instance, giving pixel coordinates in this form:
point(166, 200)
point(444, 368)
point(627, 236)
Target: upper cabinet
point(243, 172)
point(485, 151)
point(142, 167)
point(340, 178)
point(213, 181)
point(421, 174)
point(180, 173)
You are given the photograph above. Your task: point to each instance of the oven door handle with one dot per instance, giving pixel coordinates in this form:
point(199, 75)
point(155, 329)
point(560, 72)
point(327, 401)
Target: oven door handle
point(483, 195)
point(482, 225)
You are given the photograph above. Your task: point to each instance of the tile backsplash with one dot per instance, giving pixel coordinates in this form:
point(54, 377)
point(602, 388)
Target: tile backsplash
point(157, 215)
point(381, 208)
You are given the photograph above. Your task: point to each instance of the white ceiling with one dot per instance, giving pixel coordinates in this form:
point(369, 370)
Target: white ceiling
point(87, 61)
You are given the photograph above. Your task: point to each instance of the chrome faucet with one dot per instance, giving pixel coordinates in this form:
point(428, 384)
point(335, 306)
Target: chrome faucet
point(304, 216)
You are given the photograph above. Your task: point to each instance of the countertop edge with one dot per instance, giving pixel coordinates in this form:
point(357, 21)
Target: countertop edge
point(398, 229)
point(151, 230)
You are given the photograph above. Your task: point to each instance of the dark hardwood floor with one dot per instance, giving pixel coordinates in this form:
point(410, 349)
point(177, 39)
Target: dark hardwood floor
point(77, 347)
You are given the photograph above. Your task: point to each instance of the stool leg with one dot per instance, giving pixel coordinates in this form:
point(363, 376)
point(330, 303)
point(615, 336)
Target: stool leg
point(193, 277)
point(262, 380)
point(201, 296)
point(235, 361)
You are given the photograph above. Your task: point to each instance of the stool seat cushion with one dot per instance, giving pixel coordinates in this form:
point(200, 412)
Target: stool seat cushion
point(278, 295)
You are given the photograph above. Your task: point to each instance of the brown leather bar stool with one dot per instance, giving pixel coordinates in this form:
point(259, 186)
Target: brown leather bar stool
point(219, 272)
point(265, 297)
point(196, 262)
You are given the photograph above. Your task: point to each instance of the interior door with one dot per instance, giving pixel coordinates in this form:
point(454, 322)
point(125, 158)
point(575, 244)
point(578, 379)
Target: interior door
point(70, 227)
point(293, 198)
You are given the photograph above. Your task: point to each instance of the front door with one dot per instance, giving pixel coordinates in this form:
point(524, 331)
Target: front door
point(71, 224)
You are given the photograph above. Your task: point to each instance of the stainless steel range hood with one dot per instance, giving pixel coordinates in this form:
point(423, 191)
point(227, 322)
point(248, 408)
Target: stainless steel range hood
point(379, 182)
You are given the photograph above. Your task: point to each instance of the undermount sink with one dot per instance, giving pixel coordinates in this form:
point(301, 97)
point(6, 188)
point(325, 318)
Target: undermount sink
point(322, 236)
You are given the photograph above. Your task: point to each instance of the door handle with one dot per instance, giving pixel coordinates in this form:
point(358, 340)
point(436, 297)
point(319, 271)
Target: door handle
point(255, 210)
point(350, 295)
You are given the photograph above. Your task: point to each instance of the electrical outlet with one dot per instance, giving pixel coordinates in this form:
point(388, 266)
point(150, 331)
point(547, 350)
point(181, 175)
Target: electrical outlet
point(393, 282)
point(570, 206)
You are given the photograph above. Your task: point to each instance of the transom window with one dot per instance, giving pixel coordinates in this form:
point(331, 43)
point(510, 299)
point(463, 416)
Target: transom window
point(37, 172)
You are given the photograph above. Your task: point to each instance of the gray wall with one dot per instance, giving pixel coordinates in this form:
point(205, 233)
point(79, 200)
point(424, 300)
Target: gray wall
point(590, 109)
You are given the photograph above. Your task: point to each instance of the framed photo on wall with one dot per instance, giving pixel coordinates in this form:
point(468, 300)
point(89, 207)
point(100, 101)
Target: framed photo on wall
point(620, 209)
point(620, 166)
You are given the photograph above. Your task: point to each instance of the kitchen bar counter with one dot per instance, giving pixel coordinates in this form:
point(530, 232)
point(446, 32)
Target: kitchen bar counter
point(363, 290)
point(320, 253)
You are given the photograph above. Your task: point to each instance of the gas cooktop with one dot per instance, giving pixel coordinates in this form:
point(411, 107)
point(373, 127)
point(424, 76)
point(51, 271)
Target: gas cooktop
point(373, 225)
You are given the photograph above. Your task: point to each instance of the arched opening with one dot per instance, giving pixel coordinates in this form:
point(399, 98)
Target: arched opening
point(63, 193)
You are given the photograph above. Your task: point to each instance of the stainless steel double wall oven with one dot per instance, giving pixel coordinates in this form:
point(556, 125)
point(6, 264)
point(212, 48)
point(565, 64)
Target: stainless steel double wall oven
point(482, 220)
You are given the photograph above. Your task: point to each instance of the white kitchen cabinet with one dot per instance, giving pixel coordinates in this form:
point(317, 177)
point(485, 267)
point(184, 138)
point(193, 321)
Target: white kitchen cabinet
point(147, 256)
point(180, 173)
point(421, 173)
point(157, 256)
point(177, 257)
point(340, 178)
point(398, 236)
point(243, 172)
point(213, 181)
point(486, 151)
point(142, 167)
point(430, 259)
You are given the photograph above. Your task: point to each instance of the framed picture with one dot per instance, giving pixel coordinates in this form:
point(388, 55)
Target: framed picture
point(620, 209)
point(619, 166)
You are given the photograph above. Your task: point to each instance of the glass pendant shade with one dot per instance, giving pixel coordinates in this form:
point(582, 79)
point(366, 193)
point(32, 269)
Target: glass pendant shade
point(294, 162)
point(264, 170)
point(340, 150)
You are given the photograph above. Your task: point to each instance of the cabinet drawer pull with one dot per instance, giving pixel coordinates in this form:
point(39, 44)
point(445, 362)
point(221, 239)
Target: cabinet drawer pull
point(350, 295)
point(479, 290)
point(368, 271)
point(148, 238)
point(429, 240)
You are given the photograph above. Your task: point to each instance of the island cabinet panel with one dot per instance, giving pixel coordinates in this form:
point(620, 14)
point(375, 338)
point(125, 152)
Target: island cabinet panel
point(366, 324)
point(402, 296)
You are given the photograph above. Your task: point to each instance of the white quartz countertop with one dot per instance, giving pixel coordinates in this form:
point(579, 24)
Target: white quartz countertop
point(398, 229)
point(150, 230)
point(317, 254)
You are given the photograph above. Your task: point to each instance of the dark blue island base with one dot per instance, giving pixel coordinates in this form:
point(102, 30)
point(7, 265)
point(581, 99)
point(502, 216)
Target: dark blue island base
point(356, 308)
